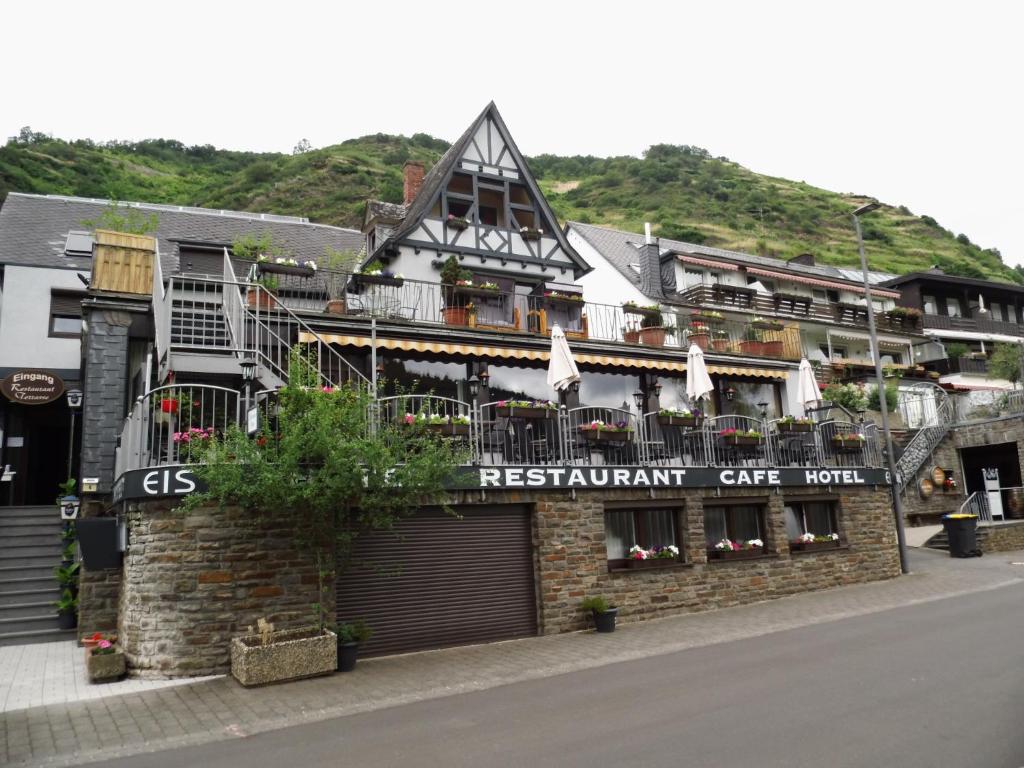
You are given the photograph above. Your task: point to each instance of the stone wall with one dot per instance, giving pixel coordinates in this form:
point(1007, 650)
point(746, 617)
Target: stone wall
point(1008, 537)
point(193, 580)
point(99, 591)
point(572, 558)
point(920, 511)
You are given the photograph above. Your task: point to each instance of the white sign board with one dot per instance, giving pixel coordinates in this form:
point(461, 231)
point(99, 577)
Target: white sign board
point(252, 421)
point(995, 497)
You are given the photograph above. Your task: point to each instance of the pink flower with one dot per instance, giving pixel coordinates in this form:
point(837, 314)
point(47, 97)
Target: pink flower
point(409, 418)
point(104, 644)
point(328, 389)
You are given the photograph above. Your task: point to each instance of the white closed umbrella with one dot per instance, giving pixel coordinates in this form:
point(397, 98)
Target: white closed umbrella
point(562, 370)
point(698, 383)
point(806, 385)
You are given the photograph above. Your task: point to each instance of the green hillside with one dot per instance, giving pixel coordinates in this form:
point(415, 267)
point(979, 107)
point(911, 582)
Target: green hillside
point(684, 191)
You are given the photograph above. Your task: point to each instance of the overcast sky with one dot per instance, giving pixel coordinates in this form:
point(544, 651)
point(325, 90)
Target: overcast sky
point(916, 103)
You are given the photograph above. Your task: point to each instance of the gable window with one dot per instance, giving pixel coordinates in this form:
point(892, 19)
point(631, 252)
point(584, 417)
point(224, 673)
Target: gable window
point(735, 522)
point(491, 205)
point(645, 527)
point(816, 517)
point(66, 314)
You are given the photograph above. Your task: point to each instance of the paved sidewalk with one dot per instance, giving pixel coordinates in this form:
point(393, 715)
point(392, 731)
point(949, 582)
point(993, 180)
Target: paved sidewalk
point(54, 673)
point(74, 734)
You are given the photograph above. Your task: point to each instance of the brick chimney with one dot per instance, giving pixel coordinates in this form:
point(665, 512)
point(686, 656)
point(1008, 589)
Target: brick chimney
point(650, 266)
point(412, 181)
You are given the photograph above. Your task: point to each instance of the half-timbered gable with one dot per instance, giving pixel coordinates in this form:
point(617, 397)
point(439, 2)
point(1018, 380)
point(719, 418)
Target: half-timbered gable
point(480, 203)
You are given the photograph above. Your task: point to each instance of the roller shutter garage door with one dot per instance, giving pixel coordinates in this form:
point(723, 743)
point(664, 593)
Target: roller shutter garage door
point(438, 580)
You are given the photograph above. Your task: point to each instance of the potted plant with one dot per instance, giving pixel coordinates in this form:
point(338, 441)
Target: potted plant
point(720, 340)
point(808, 542)
point(726, 549)
point(351, 635)
point(563, 297)
point(669, 417)
point(457, 222)
point(631, 335)
point(733, 436)
point(643, 310)
point(471, 311)
point(904, 317)
point(265, 298)
point(653, 557)
point(699, 334)
point(339, 264)
point(751, 344)
point(599, 432)
point(763, 324)
point(67, 610)
point(448, 426)
point(525, 409)
point(709, 316)
point(602, 613)
point(452, 274)
point(266, 656)
point(374, 273)
point(791, 424)
point(284, 265)
point(104, 661)
point(847, 442)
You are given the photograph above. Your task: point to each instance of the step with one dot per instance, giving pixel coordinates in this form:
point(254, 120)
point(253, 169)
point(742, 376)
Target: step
point(12, 573)
point(29, 623)
point(41, 511)
point(28, 537)
point(28, 637)
point(9, 560)
point(39, 593)
point(15, 524)
point(15, 549)
point(35, 609)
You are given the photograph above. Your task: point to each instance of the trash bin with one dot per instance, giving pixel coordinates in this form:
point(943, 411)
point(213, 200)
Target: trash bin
point(962, 533)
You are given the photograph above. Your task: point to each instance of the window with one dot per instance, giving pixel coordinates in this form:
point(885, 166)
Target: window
point(647, 527)
point(953, 308)
point(820, 295)
point(931, 306)
point(736, 522)
point(66, 314)
point(838, 353)
point(817, 517)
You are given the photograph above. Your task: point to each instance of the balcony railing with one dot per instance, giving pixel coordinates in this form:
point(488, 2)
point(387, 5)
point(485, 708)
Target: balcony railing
point(167, 422)
point(969, 365)
point(977, 324)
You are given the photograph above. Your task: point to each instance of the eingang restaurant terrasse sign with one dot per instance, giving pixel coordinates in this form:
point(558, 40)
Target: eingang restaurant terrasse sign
point(180, 481)
point(32, 387)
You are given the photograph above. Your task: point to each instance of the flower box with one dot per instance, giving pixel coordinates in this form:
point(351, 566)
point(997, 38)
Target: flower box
point(476, 290)
point(565, 298)
point(290, 655)
point(607, 435)
point(812, 546)
point(735, 554)
point(650, 562)
point(794, 426)
point(853, 445)
point(378, 279)
point(635, 309)
point(286, 269)
point(457, 222)
point(104, 667)
point(448, 430)
point(707, 317)
point(513, 412)
point(742, 440)
point(766, 325)
point(528, 233)
point(679, 421)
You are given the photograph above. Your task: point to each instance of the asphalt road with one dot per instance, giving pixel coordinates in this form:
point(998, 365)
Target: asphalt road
point(937, 684)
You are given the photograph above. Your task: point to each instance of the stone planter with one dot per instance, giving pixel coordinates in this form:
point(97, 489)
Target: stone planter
point(291, 655)
point(812, 546)
point(104, 667)
point(740, 554)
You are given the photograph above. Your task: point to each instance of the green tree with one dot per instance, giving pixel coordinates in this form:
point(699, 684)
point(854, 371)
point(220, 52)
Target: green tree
point(123, 219)
point(1005, 362)
point(329, 465)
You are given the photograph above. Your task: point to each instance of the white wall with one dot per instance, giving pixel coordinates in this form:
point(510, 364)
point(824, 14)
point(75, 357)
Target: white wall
point(25, 319)
point(605, 284)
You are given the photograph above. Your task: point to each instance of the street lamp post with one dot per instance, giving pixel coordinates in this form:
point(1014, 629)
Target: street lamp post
point(883, 407)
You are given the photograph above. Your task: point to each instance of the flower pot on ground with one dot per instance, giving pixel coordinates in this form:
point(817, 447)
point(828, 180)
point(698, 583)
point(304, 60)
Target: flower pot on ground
point(274, 657)
point(104, 662)
point(351, 635)
point(603, 614)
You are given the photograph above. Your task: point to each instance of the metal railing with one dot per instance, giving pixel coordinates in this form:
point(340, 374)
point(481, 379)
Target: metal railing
point(166, 423)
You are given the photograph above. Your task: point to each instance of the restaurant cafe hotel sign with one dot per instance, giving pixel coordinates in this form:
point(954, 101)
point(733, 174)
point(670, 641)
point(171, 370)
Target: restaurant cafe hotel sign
point(180, 481)
point(32, 387)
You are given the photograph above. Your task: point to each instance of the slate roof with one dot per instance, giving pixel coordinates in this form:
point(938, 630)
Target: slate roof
point(34, 228)
point(620, 248)
point(436, 176)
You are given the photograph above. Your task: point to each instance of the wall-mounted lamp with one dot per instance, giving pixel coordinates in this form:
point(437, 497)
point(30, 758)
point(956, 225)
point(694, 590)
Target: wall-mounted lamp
point(764, 409)
point(730, 394)
point(74, 398)
point(575, 386)
point(656, 388)
point(638, 398)
point(485, 378)
point(474, 386)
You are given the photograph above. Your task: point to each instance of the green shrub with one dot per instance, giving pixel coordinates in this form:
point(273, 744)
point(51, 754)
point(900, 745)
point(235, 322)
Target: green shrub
point(850, 396)
point(596, 604)
point(892, 398)
point(956, 350)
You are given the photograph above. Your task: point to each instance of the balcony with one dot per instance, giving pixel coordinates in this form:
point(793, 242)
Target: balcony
point(165, 424)
point(965, 365)
point(974, 324)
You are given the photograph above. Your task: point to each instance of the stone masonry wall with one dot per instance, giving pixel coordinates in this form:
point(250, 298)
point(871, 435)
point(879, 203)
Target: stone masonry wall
point(572, 559)
point(1007, 537)
point(99, 591)
point(193, 580)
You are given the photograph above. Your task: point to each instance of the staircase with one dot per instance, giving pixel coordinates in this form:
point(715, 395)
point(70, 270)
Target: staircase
point(923, 444)
point(30, 548)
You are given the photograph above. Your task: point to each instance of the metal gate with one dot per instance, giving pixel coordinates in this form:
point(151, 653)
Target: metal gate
point(438, 580)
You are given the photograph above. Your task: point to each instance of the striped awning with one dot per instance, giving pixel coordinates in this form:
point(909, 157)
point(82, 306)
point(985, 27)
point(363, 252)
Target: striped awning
point(819, 282)
point(486, 351)
point(708, 263)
